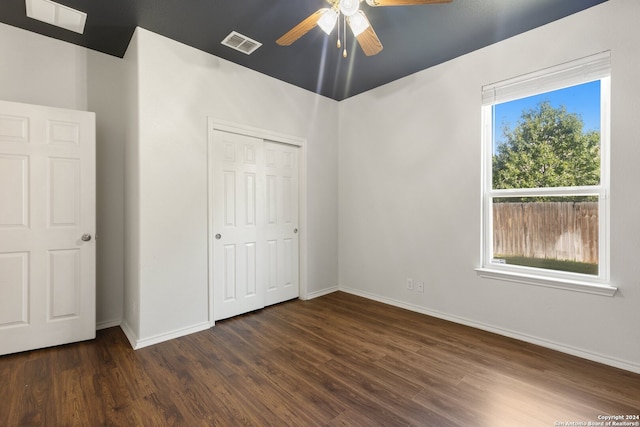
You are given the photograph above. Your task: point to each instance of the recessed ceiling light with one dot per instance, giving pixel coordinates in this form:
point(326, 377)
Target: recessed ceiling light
point(56, 14)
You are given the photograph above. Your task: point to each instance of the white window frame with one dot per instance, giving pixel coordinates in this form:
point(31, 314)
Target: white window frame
point(584, 70)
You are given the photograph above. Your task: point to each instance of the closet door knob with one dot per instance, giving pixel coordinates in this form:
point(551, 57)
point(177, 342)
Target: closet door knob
point(218, 236)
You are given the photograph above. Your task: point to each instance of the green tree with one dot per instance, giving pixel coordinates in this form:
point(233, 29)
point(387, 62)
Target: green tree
point(547, 148)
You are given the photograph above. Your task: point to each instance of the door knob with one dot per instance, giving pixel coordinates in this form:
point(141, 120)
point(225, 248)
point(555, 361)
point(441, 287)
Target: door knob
point(295, 230)
point(218, 236)
point(86, 237)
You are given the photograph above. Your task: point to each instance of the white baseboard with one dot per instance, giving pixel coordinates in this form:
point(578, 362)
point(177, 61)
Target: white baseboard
point(584, 354)
point(321, 292)
point(108, 324)
point(128, 332)
point(138, 343)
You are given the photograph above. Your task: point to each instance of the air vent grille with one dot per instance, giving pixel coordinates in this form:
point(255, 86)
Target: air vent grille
point(56, 14)
point(240, 42)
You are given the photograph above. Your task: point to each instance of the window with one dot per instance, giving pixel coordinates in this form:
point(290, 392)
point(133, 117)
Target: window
point(545, 177)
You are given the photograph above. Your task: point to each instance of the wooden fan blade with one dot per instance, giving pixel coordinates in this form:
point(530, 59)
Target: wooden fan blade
point(404, 2)
point(369, 42)
point(301, 29)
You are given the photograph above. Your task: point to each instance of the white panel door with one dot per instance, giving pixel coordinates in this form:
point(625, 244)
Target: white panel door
point(47, 204)
point(281, 169)
point(238, 224)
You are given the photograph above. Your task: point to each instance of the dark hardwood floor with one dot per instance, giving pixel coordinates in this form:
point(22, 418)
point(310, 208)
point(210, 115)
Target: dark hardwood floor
point(338, 360)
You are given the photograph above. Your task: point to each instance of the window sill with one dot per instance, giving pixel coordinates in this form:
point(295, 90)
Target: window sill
point(549, 282)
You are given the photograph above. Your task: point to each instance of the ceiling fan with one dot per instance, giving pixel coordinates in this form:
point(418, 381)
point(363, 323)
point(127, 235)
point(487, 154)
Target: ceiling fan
point(326, 19)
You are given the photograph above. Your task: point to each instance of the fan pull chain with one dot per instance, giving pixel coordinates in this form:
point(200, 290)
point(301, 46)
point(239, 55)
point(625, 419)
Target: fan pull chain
point(344, 29)
point(338, 42)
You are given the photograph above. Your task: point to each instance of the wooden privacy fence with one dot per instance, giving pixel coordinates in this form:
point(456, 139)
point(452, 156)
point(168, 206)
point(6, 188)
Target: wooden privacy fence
point(552, 230)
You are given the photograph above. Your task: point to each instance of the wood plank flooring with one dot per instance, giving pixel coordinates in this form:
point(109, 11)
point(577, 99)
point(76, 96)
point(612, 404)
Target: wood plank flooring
point(338, 360)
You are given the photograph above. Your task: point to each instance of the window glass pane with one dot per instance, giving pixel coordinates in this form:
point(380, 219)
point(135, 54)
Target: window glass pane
point(548, 140)
point(553, 233)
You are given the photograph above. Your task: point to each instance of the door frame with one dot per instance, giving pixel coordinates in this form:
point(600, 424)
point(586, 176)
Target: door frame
point(213, 125)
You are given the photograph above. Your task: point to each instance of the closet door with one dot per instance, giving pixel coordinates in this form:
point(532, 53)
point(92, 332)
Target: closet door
point(238, 225)
point(281, 229)
point(254, 224)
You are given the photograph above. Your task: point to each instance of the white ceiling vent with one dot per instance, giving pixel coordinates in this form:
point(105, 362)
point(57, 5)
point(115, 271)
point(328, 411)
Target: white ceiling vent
point(242, 43)
point(56, 14)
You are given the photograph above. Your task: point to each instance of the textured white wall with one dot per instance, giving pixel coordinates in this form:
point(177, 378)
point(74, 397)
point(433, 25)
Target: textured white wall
point(105, 81)
point(410, 192)
point(131, 292)
point(39, 70)
point(179, 87)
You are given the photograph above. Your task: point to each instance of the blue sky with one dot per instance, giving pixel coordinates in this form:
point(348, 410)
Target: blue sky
point(582, 99)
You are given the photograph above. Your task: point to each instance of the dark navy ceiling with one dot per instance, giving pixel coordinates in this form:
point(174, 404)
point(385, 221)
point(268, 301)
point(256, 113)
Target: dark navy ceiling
point(414, 37)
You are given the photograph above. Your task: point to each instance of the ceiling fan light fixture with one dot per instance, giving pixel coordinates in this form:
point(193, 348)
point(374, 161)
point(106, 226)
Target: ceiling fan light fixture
point(358, 23)
point(328, 20)
point(349, 7)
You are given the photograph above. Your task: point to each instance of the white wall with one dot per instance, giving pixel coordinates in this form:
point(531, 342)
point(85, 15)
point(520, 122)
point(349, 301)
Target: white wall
point(410, 192)
point(39, 70)
point(131, 292)
point(105, 82)
point(178, 88)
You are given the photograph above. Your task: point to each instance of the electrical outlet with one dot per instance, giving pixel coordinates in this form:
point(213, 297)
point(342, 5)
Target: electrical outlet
point(409, 283)
point(419, 286)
